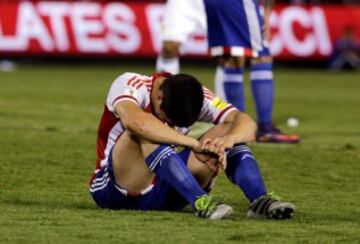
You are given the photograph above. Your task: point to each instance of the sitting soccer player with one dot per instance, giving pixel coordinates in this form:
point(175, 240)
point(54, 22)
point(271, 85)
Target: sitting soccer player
point(145, 119)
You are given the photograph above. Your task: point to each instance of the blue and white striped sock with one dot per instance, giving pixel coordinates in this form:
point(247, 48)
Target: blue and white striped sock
point(169, 166)
point(233, 87)
point(243, 171)
point(262, 86)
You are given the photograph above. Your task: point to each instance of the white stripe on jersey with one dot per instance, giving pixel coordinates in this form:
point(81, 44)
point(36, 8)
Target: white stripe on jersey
point(114, 133)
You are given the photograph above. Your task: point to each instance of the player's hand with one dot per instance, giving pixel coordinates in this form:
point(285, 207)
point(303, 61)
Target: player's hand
point(212, 160)
point(218, 144)
point(197, 147)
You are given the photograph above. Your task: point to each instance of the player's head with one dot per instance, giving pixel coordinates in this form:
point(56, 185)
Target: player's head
point(182, 99)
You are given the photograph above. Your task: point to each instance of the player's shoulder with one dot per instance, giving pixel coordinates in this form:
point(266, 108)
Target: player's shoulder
point(131, 79)
point(208, 94)
point(128, 76)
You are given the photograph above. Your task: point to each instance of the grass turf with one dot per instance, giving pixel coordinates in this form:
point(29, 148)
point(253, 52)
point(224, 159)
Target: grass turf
point(48, 124)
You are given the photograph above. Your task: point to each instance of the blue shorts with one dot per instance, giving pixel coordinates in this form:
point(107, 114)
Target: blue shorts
point(235, 27)
point(159, 196)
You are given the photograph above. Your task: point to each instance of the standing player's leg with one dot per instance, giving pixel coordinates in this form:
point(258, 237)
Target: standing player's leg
point(181, 19)
point(262, 87)
point(229, 41)
point(232, 81)
point(262, 83)
point(168, 58)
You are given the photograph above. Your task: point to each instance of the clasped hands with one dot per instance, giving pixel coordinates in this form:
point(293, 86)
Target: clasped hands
point(211, 151)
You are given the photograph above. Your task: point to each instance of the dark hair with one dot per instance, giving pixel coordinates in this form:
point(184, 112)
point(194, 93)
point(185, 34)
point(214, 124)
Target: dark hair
point(182, 99)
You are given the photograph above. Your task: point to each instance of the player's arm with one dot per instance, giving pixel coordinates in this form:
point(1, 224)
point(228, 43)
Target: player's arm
point(242, 130)
point(242, 127)
point(147, 126)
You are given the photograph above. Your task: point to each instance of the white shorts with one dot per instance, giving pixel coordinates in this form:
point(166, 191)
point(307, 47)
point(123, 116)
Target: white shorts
point(182, 18)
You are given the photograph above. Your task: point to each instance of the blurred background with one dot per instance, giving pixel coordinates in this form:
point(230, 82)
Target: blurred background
point(57, 62)
point(324, 33)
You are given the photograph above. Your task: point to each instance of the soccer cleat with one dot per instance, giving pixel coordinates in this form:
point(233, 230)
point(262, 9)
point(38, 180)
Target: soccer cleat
point(270, 206)
point(207, 207)
point(271, 134)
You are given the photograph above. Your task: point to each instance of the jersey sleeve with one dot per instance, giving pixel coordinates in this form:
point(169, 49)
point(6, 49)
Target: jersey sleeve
point(127, 87)
point(214, 109)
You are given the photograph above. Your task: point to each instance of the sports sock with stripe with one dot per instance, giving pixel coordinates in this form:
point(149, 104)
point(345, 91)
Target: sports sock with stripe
point(243, 171)
point(233, 86)
point(262, 87)
point(218, 82)
point(169, 166)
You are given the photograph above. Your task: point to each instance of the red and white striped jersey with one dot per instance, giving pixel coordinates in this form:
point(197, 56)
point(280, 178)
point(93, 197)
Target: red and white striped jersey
point(137, 89)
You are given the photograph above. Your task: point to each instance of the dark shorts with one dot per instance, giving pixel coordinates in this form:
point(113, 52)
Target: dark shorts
point(159, 196)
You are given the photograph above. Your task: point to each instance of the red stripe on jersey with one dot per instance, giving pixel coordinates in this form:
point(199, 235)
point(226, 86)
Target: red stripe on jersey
point(107, 122)
point(221, 114)
point(138, 86)
point(124, 96)
point(135, 83)
point(131, 79)
point(208, 93)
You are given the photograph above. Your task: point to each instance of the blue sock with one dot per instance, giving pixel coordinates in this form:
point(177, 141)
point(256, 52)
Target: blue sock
point(233, 87)
point(243, 171)
point(262, 86)
point(166, 164)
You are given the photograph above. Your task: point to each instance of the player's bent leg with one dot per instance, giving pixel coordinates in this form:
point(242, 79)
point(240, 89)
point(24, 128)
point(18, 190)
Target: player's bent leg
point(124, 182)
point(168, 165)
point(270, 206)
point(244, 172)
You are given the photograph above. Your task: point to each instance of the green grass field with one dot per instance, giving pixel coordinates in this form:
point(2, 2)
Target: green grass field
point(48, 124)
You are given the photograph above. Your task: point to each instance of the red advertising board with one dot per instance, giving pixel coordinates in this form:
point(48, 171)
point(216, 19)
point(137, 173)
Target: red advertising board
point(78, 28)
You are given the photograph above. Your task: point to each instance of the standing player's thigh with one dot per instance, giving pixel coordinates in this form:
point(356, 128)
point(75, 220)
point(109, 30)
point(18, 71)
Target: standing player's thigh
point(182, 18)
point(242, 31)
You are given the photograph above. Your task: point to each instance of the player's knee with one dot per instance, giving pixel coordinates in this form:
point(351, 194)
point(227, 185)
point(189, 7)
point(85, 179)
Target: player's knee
point(235, 156)
point(264, 59)
point(155, 158)
point(232, 62)
point(170, 49)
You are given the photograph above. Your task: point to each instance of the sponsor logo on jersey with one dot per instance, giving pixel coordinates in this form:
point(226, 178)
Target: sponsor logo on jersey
point(218, 103)
point(130, 91)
